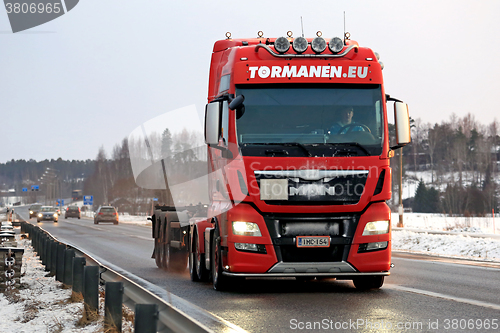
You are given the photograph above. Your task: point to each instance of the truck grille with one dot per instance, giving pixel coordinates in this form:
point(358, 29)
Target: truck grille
point(285, 228)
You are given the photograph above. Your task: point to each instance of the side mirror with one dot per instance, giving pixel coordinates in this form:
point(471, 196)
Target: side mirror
point(402, 121)
point(237, 104)
point(212, 123)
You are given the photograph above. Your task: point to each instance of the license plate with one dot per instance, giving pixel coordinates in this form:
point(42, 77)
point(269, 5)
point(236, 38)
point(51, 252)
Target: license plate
point(313, 241)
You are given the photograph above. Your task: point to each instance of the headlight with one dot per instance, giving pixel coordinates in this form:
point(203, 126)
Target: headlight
point(55, 214)
point(40, 215)
point(376, 228)
point(246, 229)
point(31, 212)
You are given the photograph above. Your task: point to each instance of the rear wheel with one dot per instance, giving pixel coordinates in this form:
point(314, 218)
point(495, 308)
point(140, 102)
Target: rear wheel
point(368, 282)
point(197, 261)
point(158, 253)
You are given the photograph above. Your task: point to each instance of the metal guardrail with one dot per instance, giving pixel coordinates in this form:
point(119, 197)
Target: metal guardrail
point(170, 319)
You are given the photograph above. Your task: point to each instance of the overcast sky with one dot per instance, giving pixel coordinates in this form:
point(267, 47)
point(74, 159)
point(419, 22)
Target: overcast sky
point(90, 77)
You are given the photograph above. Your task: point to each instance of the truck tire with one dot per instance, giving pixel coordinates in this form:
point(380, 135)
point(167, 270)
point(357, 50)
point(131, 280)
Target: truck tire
point(220, 281)
point(368, 282)
point(197, 269)
point(158, 252)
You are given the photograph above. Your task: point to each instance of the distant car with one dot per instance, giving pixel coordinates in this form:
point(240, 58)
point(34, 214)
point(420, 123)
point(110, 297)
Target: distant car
point(34, 209)
point(72, 211)
point(58, 210)
point(47, 213)
point(106, 214)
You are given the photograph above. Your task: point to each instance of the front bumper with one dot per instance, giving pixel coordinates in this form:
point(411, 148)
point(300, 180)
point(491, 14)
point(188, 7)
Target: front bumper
point(313, 269)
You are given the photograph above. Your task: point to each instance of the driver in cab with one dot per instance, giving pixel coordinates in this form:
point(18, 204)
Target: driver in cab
point(345, 123)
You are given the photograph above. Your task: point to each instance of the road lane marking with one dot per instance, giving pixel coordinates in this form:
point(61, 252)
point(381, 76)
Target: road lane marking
point(470, 264)
point(443, 296)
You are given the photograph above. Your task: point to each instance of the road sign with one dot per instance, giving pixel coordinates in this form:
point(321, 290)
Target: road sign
point(60, 202)
point(88, 200)
point(25, 189)
point(155, 199)
point(34, 187)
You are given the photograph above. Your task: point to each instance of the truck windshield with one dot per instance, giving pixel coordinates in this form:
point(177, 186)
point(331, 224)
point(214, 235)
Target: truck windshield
point(311, 120)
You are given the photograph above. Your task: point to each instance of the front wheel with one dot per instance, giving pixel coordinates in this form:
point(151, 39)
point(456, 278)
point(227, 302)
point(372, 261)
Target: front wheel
point(368, 282)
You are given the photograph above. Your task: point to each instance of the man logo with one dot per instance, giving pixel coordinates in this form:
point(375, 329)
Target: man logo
point(26, 15)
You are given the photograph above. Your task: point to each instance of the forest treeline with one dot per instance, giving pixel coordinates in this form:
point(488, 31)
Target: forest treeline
point(456, 164)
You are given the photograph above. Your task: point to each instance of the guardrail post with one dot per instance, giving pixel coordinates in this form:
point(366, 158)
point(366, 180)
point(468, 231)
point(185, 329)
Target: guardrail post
point(78, 266)
point(146, 318)
point(61, 248)
point(69, 254)
point(53, 258)
point(91, 289)
point(113, 299)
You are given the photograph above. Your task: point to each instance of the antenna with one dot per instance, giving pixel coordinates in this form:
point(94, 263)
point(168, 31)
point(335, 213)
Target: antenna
point(344, 27)
point(302, 25)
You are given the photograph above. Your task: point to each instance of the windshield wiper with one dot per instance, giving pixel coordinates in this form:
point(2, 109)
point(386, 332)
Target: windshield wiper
point(354, 144)
point(298, 145)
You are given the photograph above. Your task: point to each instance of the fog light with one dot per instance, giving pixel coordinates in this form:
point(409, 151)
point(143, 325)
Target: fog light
point(246, 247)
point(367, 247)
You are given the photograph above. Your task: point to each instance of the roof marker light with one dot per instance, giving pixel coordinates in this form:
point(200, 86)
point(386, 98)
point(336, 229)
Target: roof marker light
point(281, 44)
point(289, 33)
point(336, 45)
point(300, 44)
point(228, 35)
point(318, 44)
point(260, 34)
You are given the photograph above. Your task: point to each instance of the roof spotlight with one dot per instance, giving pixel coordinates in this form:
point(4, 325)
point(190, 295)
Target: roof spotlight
point(336, 45)
point(299, 44)
point(281, 44)
point(318, 44)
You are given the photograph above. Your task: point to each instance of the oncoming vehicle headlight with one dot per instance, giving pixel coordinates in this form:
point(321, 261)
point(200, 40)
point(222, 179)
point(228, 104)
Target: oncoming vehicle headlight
point(246, 229)
point(31, 212)
point(376, 228)
point(40, 215)
point(55, 214)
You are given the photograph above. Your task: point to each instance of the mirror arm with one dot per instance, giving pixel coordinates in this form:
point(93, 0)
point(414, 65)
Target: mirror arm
point(401, 145)
point(226, 153)
point(389, 98)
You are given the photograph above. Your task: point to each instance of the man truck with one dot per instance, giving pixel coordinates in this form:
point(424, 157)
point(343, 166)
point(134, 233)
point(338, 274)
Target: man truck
point(289, 197)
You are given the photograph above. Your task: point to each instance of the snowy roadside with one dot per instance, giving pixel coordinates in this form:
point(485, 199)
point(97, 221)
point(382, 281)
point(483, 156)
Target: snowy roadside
point(42, 304)
point(464, 242)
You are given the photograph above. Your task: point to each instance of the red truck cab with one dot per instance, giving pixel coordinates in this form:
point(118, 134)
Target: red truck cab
point(298, 157)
